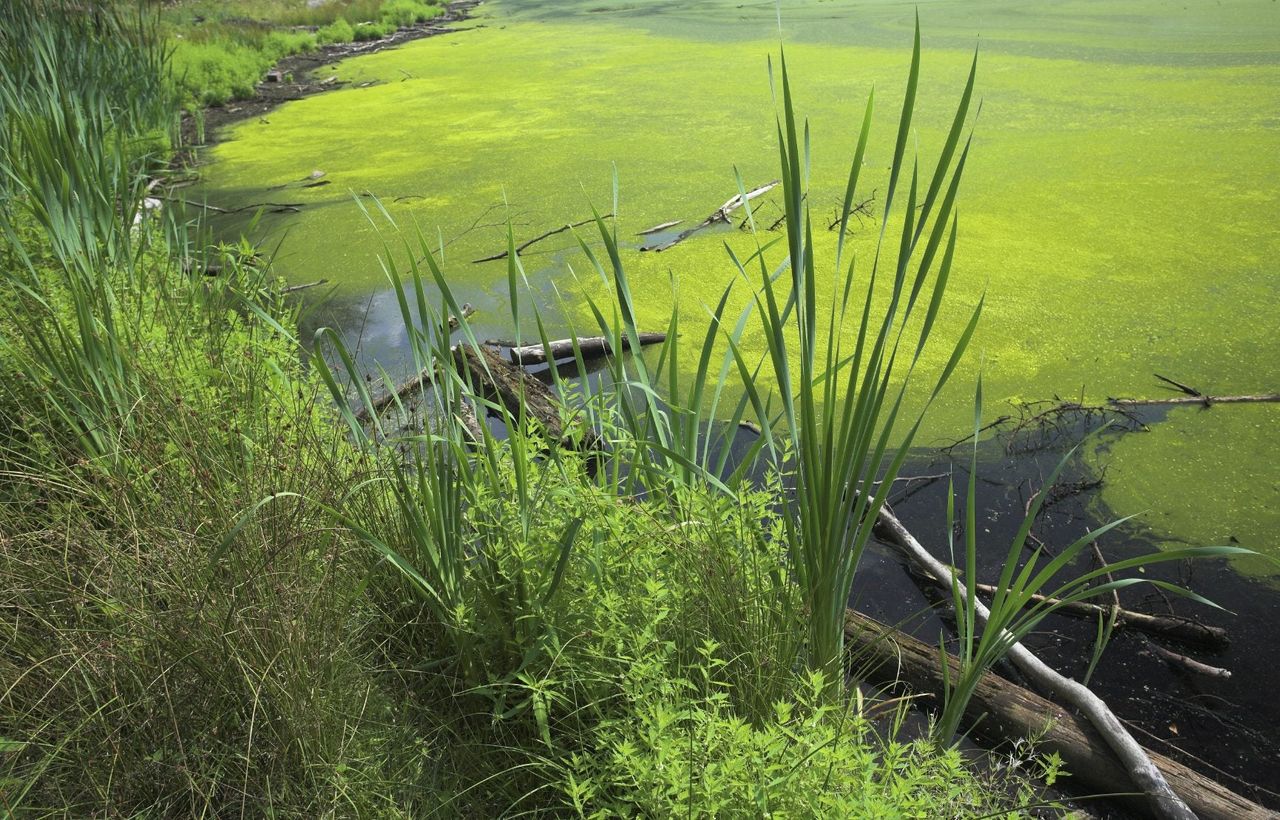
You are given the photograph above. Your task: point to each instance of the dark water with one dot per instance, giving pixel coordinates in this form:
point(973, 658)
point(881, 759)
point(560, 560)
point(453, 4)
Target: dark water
point(1227, 729)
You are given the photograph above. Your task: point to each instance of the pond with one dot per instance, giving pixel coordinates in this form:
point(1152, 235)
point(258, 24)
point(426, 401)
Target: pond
point(1119, 209)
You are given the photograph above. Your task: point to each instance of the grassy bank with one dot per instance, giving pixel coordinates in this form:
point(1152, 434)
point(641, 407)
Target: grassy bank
point(221, 593)
point(221, 50)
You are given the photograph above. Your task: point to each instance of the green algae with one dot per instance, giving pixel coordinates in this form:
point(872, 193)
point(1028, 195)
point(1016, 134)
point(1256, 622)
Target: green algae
point(1193, 481)
point(1118, 209)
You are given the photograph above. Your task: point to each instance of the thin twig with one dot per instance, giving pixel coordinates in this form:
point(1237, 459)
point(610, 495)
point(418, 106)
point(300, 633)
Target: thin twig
point(521, 248)
point(296, 288)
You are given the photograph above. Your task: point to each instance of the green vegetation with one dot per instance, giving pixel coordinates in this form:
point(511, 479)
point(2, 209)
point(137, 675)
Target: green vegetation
point(1121, 145)
point(222, 50)
point(217, 597)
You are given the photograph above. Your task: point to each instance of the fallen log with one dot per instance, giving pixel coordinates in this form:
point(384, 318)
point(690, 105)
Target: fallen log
point(720, 214)
point(517, 391)
point(1205, 401)
point(521, 247)
point(1163, 801)
point(591, 347)
point(1002, 711)
point(1180, 629)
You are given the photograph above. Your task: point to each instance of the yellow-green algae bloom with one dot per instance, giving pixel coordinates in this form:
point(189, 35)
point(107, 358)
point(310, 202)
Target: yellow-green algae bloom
point(1118, 211)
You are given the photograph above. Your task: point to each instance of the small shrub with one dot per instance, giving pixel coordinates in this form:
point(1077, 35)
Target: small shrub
point(339, 31)
point(402, 13)
point(279, 44)
point(214, 73)
point(373, 31)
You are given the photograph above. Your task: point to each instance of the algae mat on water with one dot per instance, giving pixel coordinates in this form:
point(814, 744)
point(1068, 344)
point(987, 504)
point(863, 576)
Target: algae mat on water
point(1119, 209)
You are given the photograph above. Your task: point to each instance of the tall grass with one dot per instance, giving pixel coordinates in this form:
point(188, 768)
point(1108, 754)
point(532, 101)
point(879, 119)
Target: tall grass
point(142, 412)
point(80, 101)
point(840, 409)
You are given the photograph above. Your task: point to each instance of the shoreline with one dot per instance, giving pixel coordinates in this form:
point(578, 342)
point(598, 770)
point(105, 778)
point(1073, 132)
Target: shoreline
point(204, 129)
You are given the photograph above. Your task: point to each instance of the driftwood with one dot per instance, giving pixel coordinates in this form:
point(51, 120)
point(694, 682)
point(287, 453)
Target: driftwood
point(521, 247)
point(720, 214)
point(1143, 773)
point(1179, 629)
point(591, 347)
point(1003, 711)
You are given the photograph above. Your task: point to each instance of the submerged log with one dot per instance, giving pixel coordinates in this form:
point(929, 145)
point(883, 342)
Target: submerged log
point(517, 391)
point(470, 423)
point(591, 347)
point(380, 403)
point(415, 382)
point(1002, 711)
point(1180, 629)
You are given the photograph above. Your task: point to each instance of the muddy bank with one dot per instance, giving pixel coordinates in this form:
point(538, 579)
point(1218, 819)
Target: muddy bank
point(295, 77)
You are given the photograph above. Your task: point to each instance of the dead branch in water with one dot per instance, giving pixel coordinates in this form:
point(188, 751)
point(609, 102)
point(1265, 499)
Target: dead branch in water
point(1181, 629)
point(275, 207)
point(521, 248)
point(859, 211)
point(307, 286)
point(1188, 663)
point(1001, 711)
point(1193, 396)
point(720, 214)
point(1040, 425)
point(1137, 762)
point(1205, 401)
point(659, 227)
